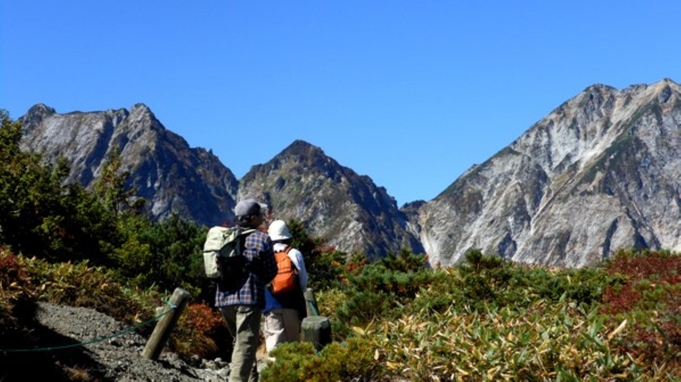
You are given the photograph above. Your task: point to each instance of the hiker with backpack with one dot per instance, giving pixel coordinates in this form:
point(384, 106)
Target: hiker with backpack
point(285, 302)
point(240, 294)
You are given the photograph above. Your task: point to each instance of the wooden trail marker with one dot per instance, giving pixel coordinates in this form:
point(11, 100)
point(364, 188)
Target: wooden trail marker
point(310, 303)
point(165, 325)
point(314, 328)
point(317, 330)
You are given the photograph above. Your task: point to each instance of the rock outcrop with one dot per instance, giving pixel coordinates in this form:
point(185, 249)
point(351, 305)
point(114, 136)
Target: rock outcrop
point(170, 175)
point(600, 172)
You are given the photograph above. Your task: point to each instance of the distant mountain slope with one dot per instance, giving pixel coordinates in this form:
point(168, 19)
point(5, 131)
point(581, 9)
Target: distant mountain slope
point(332, 201)
point(168, 173)
point(601, 171)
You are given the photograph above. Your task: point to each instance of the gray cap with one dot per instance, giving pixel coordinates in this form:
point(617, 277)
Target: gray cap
point(247, 207)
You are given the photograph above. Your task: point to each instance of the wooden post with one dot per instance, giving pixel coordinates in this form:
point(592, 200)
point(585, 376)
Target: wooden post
point(314, 328)
point(165, 325)
point(317, 330)
point(310, 303)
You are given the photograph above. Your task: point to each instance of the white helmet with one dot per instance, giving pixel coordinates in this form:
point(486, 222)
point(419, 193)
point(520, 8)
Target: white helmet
point(278, 231)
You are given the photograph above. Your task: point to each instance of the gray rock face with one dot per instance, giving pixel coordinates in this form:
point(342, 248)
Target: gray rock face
point(301, 183)
point(170, 175)
point(600, 172)
point(332, 201)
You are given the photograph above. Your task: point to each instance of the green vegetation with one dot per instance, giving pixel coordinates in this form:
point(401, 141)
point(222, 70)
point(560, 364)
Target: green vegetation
point(392, 319)
point(492, 320)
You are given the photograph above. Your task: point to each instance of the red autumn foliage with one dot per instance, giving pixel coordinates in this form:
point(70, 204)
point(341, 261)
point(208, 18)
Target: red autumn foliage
point(202, 319)
point(619, 301)
point(654, 272)
point(652, 266)
point(14, 279)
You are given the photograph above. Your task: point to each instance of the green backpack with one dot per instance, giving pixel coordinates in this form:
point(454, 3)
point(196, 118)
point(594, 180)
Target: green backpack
point(222, 257)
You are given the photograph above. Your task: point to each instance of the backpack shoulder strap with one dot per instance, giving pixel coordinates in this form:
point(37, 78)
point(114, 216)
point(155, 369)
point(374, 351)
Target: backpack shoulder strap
point(286, 251)
point(241, 238)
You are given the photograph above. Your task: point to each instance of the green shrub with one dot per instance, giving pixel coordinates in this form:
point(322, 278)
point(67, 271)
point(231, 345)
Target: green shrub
point(42, 216)
point(323, 263)
point(488, 280)
point(378, 293)
point(338, 361)
point(166, 255)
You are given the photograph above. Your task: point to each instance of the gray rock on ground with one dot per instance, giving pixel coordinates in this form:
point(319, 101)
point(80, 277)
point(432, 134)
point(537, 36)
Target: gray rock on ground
point(120, 356)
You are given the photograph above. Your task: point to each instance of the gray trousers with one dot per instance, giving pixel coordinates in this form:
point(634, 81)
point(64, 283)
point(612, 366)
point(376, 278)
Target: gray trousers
point(243, 323)
point(281, 325)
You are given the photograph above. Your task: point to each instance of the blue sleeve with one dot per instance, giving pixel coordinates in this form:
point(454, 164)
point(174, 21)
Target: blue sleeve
point(269, 265)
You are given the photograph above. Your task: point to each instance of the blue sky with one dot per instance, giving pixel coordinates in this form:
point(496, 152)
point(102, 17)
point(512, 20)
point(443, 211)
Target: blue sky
point(410, 93)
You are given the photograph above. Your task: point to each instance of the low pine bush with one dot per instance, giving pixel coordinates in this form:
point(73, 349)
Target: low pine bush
point(380, 290)
point(495, 320)
point(352, 360)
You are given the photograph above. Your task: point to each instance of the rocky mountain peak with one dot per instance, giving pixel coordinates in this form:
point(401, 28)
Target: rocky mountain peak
point(302, 148)
point(589, 178)
point(308, 157)
point(140, 108)
point(667, 91)
point(38, 112)
point(41, 109)
point(599, 172)
point(170, 175)
point(332, 201)
point(141, 114)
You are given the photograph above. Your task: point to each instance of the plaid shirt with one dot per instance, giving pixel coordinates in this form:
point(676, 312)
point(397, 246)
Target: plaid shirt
point(258, 251)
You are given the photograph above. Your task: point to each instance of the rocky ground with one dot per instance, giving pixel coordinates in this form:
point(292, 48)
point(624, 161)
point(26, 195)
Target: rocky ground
point(108, 356)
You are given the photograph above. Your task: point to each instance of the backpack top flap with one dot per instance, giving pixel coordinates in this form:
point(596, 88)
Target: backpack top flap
point(219, 239)
point(222, 244)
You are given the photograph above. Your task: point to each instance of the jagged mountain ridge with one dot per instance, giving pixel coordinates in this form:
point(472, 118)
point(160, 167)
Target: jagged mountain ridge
point(333, 201)
point(600, 172)
point(170, 175)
